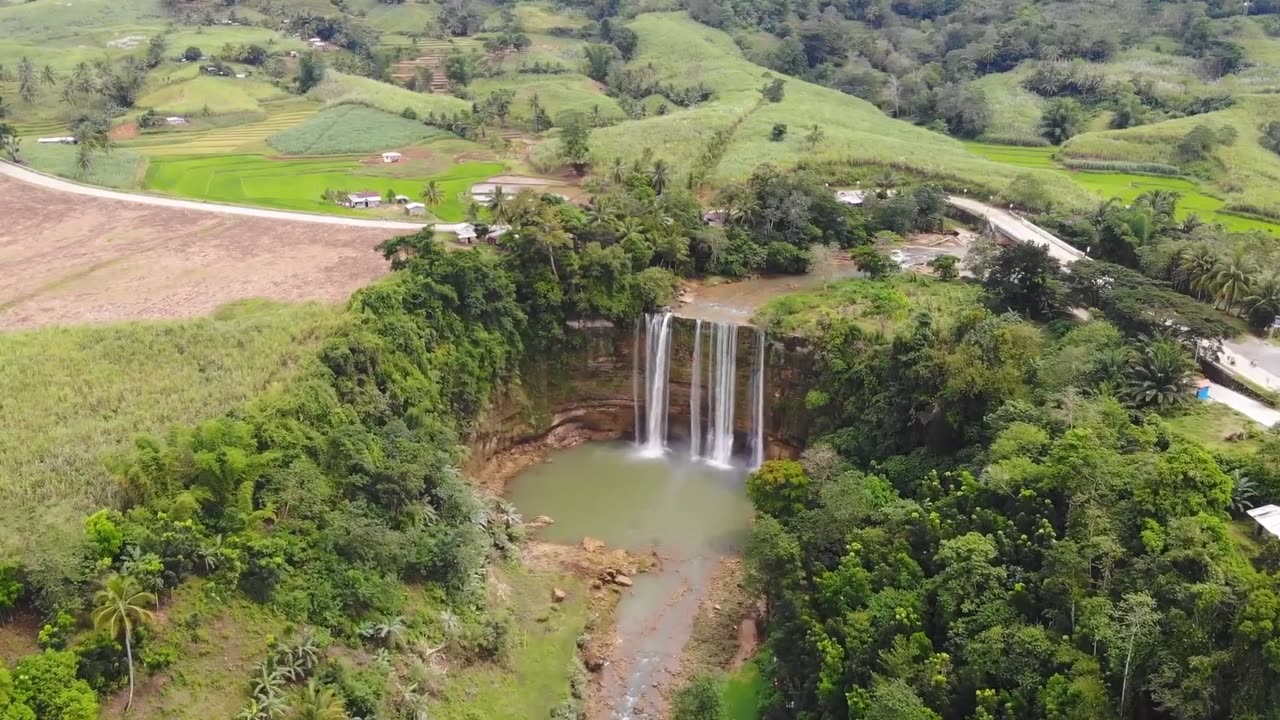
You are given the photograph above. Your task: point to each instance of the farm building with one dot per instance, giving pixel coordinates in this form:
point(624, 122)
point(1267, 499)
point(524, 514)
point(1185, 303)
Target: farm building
point(390, 157)
point(402, 199)
point(366, 199)
point(66, 140)
point(1268, 518)
point(415, 208)
point(496, 232)
point(466, 233)
point(850, 197)
point(175, 120)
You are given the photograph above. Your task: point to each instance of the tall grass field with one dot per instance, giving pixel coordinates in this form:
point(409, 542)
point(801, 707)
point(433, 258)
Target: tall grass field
point(75, 395)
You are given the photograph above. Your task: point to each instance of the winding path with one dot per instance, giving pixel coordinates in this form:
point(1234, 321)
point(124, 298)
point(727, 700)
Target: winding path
point(33, 177)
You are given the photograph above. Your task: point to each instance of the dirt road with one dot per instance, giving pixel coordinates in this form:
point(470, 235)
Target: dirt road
point(74, 256)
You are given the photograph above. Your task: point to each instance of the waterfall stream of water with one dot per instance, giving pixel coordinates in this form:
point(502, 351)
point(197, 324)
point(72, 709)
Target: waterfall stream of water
point(657, 359)
point(713, 379)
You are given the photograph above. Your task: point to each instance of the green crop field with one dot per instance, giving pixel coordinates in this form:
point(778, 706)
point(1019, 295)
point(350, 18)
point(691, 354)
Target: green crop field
point(556, 93)
point(1128, 186)
point(216, 140)
point(119, 168)
point(298, 184)
point(684, 53)
point(348, 129)
point(340, 89)
point(73, 395)
point(1244, 171)
point(211, 95)
point(1015, 111)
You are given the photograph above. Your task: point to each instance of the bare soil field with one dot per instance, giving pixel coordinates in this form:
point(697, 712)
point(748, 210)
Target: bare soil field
point(72, 259)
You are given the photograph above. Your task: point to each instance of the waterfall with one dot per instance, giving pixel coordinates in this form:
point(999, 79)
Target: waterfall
point(657, 360)
point(757, 398)
point(695, 394)
point(712, 389)
point(721, 377)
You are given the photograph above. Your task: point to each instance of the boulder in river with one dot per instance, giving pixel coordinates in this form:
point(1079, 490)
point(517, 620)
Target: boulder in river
point(622, 580)
point(591, 544)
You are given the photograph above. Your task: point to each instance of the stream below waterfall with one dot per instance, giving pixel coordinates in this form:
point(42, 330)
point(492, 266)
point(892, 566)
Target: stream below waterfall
point(689, 512)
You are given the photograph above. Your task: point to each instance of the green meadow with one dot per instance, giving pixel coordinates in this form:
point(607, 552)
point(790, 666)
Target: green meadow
point(299, 184)
point(1128, 186)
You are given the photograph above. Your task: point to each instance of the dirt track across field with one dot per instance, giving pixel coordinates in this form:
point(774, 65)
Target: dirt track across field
point(69, 258)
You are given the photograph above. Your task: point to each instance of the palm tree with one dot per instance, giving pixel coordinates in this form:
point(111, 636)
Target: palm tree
point(121, 605)
point(432, 194)
point(1262, 305)
point(1198, 267)
point(617, 172)
point(886, 181)
point(1234, 278)
point(499, 207)
point(660, 175)
point(317, 702)
point(1163, 203)
point(48, 76)
point(27, 79)
point(1160, 372)
point(82, 77)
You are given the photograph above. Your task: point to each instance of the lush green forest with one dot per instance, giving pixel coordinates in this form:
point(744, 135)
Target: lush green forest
point(995, 521)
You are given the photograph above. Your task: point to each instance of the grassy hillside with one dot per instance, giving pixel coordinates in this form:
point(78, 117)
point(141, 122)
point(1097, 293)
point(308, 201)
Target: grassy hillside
point(211, 94)
point(684, 53)
point(75, 395)
point(339, 89)
point(351, 129)
point(1243, 172)
point(556, 93)
point(1015, 111)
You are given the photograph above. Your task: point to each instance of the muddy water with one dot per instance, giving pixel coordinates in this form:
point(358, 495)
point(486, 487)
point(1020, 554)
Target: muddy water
point(689, 513)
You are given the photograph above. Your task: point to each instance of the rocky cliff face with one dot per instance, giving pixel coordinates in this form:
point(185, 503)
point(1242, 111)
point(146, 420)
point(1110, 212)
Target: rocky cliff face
point(586, 391)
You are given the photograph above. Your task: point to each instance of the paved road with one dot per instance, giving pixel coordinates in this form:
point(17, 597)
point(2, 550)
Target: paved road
point(18, 172)
point(1245, 405)
point(1019, 229)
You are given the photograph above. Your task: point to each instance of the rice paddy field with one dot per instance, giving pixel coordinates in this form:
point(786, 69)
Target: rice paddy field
point(298, 184)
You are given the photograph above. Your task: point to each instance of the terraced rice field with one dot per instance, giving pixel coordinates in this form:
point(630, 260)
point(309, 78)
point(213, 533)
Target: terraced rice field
point(298, 184)
point(283, 115)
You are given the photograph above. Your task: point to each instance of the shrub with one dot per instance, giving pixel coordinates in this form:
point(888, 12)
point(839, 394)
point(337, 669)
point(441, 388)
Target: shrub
point(781, 257)
point(47, 683)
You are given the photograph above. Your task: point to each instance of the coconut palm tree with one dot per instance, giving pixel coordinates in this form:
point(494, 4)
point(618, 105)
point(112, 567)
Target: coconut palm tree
point(1199, 266)
point(316, 702)
point(499, 205)
point(1163, 203)
point(120, 606)
point(886, 181)
point(432, 194)
point(48, 76)
point(660, 175)
point(27, 79)
point(1233, 278)
point(1262, 305)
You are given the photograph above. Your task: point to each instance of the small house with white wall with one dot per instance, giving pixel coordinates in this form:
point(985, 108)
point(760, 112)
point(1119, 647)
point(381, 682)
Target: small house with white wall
point(367, 199)
point(496, 232)
point(391, 156)
point(466, 233)
point(415, 208)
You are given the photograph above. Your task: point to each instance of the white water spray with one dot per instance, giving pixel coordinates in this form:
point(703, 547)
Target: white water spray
point(757, 398)
point(695, 394)
point(657, 359)
point(721, 378)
